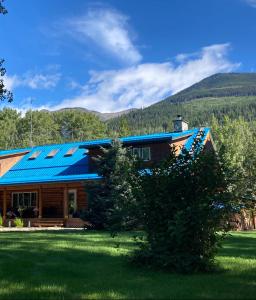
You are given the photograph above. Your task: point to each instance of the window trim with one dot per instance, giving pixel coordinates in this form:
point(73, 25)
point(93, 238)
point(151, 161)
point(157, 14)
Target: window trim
point(141, 152)
point(30, 192)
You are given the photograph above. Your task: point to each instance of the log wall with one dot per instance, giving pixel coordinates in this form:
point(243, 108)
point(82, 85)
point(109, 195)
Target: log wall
point(52, 196)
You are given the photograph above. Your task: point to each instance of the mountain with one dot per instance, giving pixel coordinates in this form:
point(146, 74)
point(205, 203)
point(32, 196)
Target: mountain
point(232, 94)
point(218, 85)
point(102, 116)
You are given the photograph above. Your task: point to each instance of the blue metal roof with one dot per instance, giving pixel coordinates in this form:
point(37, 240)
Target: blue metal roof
point(75, 167)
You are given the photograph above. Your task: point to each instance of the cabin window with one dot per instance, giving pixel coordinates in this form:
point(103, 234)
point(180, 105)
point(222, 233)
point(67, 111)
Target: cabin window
point(142, 153)
point(20, 199)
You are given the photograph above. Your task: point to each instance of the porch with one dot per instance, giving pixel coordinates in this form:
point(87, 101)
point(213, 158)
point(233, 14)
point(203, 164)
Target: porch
point(46, 205)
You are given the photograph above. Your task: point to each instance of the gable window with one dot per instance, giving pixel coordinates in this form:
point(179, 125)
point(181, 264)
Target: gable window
point(142, 153)
point(27, 199)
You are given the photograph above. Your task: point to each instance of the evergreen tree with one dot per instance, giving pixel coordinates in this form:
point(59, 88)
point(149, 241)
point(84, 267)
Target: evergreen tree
point(112, 198)
point(124, 129)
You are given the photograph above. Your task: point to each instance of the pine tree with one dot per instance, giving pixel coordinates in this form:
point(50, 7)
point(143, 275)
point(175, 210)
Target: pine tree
point(112, 198)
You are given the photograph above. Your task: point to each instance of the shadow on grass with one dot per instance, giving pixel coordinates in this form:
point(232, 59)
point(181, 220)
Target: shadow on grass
point(57, 265)
point(241, 245)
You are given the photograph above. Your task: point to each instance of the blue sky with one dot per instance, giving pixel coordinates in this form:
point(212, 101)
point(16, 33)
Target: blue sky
point(114, 55)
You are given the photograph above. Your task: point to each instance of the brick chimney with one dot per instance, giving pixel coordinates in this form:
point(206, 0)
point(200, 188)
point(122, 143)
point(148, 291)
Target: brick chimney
point(179, 124)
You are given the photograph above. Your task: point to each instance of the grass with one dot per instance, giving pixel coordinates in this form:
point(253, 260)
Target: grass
point(82, 265)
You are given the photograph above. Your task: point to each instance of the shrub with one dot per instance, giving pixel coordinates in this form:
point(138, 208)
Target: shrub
point(183, 211)
point(1, 220)
point(18, 222)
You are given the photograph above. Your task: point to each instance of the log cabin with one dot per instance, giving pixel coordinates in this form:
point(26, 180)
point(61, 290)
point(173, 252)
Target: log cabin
point(44, 184)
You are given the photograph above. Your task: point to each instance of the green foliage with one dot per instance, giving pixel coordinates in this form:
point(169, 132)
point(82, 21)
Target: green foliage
point(184, 211)
point(238, 138)
point(44, 129)
point(109, 196)
point(182, 205)
point(48, 128)
point(124, 129)
point(78, 125)
point(18, 222)
point(1, 220)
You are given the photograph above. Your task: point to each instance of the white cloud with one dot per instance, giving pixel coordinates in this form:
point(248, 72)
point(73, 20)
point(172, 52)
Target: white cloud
point(109, 30)
point(147, 83)
point(32, 80)
point(251, 2)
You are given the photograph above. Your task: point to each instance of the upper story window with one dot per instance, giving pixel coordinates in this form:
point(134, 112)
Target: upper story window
point(142, 153)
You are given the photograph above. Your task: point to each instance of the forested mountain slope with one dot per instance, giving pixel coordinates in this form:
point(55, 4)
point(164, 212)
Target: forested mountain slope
point(232, 94)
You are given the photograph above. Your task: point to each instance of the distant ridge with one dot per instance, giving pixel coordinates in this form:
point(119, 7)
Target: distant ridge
point(218, 85)
point(102, 116)
point(219, 95)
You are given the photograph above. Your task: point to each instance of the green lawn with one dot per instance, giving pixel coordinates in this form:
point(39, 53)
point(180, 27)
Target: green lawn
point(82, 265)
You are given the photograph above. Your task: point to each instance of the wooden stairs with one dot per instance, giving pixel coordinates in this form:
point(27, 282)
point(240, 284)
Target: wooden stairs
point(48, 222)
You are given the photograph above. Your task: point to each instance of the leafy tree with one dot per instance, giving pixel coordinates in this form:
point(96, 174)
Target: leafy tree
point(9, 136)
point(79, 126)
point(184, 211)
point(112, 197)
point(238, 138)
point(4, 93)
point(44, 129)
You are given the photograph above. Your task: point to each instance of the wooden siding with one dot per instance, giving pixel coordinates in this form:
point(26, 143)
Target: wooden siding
point(52, 195)
point(159, 151)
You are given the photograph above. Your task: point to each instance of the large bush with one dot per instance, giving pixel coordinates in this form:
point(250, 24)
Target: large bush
point(184, 211)
point(183, 205)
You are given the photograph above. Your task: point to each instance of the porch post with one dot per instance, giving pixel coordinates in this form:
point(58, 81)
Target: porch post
point(4, 205)
point(40, 202)
point(65, 203)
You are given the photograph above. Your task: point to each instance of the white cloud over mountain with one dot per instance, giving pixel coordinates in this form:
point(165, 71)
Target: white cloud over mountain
point(146, 83)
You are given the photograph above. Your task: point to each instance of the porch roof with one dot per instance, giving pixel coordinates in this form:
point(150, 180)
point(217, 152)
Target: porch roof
point(54, 163)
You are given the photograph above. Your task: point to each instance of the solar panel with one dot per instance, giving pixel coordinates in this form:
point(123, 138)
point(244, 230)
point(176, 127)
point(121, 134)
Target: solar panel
point(35, 154)
point(71, 151)
point(52, 153)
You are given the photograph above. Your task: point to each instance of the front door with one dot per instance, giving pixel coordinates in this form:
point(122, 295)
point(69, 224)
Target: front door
point(72, 203)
